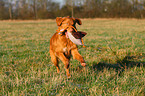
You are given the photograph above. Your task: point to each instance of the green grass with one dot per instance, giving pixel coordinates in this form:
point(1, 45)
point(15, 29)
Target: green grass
point(115, 57)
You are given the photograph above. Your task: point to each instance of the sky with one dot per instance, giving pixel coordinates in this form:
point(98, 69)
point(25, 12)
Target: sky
point(62, 2)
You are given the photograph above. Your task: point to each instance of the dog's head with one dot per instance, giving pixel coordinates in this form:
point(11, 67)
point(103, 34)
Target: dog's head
point(67, 21)
point(67, 26)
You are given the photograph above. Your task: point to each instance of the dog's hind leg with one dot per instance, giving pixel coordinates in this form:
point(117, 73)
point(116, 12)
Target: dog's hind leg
point(54, 59)
point(65, 61)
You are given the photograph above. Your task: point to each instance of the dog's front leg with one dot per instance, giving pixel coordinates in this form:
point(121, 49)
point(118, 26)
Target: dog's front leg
point(76, 55)
point(65, 60)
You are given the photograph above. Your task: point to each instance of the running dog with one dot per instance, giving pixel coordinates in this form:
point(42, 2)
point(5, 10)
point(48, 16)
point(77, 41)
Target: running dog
point(64, 43)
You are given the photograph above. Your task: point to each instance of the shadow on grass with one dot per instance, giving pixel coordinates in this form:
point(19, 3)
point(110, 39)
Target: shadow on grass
point(121, 65)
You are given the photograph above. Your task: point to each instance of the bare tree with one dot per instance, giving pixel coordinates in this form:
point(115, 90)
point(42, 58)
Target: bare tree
point(35, 8)
point(4, 14)
point(10, 8)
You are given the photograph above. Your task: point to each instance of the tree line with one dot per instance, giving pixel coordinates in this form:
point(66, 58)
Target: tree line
point(48, 9)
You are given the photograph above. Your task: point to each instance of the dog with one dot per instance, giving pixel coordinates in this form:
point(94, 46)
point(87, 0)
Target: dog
point(64, 43)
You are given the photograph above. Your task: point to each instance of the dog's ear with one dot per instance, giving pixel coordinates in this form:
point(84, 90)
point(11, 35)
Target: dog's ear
point(78, 21)
point(59, 21)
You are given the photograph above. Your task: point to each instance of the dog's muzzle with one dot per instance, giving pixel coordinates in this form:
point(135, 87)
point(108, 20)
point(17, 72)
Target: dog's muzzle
point(75, 37)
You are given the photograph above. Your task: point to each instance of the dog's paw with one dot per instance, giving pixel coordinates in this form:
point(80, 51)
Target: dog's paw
point(83, 64)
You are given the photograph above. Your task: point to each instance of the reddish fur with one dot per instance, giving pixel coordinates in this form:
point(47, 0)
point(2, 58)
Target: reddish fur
point(58, 44)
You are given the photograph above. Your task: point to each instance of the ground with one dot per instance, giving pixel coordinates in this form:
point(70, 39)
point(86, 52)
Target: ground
point(114, 54)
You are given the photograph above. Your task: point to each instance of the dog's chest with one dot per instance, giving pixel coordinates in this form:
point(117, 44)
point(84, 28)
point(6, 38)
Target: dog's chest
point(65, 49)
point(67, 46)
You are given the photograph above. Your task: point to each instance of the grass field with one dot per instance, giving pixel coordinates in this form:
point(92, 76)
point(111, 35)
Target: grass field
point(115, 57)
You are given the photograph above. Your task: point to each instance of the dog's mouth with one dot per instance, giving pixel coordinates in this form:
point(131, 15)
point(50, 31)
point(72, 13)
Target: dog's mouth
point(75, 37)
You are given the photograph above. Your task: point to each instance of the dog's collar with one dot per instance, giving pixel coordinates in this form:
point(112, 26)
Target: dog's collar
point(60, 33)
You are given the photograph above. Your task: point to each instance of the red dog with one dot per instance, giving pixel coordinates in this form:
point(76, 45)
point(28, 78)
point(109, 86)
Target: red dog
point(63, 42)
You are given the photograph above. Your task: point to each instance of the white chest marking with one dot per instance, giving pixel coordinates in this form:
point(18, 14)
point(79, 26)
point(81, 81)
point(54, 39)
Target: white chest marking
point(65, 49)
